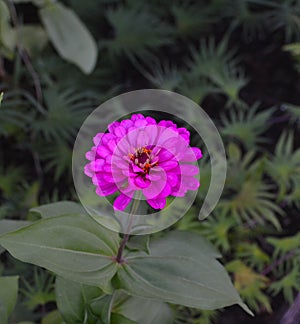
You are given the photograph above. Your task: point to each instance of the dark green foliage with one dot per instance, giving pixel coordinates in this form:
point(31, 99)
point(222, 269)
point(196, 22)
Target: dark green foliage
point(214, 52)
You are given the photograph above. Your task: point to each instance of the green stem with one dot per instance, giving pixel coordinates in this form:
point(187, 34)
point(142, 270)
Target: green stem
point(135, 205)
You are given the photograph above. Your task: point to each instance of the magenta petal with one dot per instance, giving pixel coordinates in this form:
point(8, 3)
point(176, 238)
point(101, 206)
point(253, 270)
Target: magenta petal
point(151, 121)
point(97, 138)
point(185, 134)
point(166, 191)
point(165, 155)
point(157, 203)
point(173, 179)
point(135, 117)
point(106, 189)
point(97, 165)
point(120, 131)
point(103, 151)
point(122, 201)
point(153, 176)
point(90, 155)
point(140, 123)
point(197, 152)
point(88, 171)
point(136, 169)
point(189, 169)
point(154, 189)
point(141, 182)
point(127, 123)
point(190, 183)
point(168, 165)
point(108, 178)
point(112, 126)
point(106, 138)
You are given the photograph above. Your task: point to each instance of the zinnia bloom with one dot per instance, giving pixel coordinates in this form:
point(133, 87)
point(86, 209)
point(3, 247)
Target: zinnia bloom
point(140, 154)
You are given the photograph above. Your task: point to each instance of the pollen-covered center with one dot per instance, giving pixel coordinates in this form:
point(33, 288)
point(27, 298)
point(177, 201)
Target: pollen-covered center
point(143, 158)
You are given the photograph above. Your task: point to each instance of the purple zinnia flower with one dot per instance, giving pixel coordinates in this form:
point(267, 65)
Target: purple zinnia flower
point(139, 154)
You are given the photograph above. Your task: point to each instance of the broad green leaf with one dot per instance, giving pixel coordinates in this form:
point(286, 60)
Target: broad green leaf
point(8, 295)
point(36, 2)
point(32, 38)
point(53, 317)
point(104, 305)
point(120, 319)
point(10, 225)
point(72, 299)
point(73, 246)
point(139, 242)
point(69, 36)
point(150, 311)
point(179, 274)
point(3, 314)
point(7, 35)
point(183, 243)
point(7, 225)
point(58, 209)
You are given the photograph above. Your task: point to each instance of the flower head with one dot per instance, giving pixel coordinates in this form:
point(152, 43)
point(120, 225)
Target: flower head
point(139, 154)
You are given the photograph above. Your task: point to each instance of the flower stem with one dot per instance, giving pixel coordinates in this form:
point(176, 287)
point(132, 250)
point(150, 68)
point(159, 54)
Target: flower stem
point(135, 205)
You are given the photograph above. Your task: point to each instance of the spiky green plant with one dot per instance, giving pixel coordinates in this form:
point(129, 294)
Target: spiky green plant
point(250, 285)
point(219, 65)
point(251, 198)
point(40, 291)
point(285, 15)
point(288, 285)
point(136, 32)
point(284, 165)
point(246, 125)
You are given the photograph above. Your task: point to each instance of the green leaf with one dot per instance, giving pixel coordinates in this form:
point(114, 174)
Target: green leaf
point(58, 209)
point(139, 242)
point(72, 299)
point(8, 225)
point(53, 318)
point(69, 36)
point(32, 38)
point(73, 246)
point(120, 319)
point(180, 275)
point(150, 311)
point(7, 35)
point(8, 295)
point(183, 243)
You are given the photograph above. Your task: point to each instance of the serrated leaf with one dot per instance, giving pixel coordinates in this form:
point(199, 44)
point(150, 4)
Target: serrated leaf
point(185, 276)
point(8, 295)
point(69, 36)
point(58, 209)
point(73, 246)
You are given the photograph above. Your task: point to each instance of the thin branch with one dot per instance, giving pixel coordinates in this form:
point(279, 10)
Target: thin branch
point(278, 262)
point(292, 316)
point(24, 55)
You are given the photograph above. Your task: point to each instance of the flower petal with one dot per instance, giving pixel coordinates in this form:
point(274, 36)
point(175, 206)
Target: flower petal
point(106, 189)
point(122, 201)
point(141, 182)
point(157, 203)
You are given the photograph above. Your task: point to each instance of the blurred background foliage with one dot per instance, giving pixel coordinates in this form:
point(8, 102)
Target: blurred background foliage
point(238, 59)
